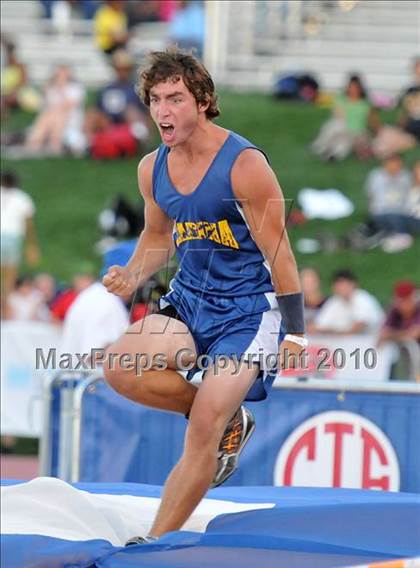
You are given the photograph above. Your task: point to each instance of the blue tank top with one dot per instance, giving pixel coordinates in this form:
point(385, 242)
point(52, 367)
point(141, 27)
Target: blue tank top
point(216, 252)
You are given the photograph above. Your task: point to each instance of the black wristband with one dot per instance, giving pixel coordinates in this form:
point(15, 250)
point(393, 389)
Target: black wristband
point(292, 312)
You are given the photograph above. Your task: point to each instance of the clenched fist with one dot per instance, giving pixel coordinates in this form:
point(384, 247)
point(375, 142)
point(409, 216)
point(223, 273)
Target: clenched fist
point(120, 281)
point(290, 355)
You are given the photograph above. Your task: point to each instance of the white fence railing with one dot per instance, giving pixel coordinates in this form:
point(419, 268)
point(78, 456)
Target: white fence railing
point(351, 360)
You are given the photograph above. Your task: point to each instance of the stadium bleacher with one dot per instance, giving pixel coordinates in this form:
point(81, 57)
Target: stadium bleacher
point(262, 39)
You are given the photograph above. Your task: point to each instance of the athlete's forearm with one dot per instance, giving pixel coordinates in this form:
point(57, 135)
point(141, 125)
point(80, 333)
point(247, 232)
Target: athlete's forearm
point(285, 278)
point(285, 274)
point(275, 246)
point(153, 251)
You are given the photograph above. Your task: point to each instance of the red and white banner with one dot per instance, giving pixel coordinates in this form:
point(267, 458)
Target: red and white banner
point(338, 449)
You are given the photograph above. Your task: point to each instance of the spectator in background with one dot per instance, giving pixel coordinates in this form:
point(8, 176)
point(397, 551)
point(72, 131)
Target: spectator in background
point(17, 232)
point(388, 190)
point(110, 25)
point(348, 128)
point(96, 318)
point(119, 122)
point(349, 310)
point(15, 91)
point(145, 11)
point(26, 303)
point(402, 326)
point(403, 318)
point(406, 134)
point(118, 98)
point(63, 301)
point(186, 28)
point(46, 285)
point(313, 296)
point(60, 122)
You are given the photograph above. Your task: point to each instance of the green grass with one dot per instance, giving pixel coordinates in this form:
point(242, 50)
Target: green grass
point(69, 194)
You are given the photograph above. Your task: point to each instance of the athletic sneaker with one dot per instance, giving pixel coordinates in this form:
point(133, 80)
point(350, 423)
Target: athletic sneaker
point(141, 540)
point(237, 433)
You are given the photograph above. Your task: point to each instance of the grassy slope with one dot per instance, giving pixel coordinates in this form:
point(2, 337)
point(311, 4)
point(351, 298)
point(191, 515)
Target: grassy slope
point(70, 193)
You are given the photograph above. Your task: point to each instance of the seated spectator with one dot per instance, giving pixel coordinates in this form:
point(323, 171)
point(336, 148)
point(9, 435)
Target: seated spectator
point(119, 122)
point(45, 283)
point(349, 310)
point(313, 295)
point(61, 304)
point(15, 91)
point(348, 128)
point(59, 124)
point(402, 326)
point(110, 25)
point(403, 318)
point(187, 26)
point(388, 189)
point(17, 232)
point(406, 133)
point(117, 98)
point(26, 303)
point(140, 12)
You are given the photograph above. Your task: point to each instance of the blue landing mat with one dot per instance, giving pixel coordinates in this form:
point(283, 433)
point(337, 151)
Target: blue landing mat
point(308, 528)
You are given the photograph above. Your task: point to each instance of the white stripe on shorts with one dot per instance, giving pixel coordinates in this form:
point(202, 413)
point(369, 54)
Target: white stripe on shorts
point(265, 345)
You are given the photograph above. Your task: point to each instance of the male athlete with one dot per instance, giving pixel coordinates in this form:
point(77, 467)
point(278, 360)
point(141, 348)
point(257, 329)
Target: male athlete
point(211, 196)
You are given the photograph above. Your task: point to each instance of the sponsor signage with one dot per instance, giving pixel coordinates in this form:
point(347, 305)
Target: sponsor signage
point(338, 449)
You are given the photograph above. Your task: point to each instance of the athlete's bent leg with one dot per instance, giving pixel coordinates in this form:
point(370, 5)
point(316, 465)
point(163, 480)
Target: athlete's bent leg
point(165, 388)
point(217, 399)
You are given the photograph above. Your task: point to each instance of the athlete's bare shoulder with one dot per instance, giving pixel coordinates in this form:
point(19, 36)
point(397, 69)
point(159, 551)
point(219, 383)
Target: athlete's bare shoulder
point(146, 164)
point(250, 158)
point(145, 173)
point(251, 170)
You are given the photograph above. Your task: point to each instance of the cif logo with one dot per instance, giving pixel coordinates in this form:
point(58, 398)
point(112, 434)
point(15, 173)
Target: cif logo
point(338, 449)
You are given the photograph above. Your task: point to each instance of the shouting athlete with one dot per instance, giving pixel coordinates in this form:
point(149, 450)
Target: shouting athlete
point(211, 196)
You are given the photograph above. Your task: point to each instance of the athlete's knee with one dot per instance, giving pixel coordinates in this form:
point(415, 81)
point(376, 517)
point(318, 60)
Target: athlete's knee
point(127, 379)
point(205, 429)
point(118, 375)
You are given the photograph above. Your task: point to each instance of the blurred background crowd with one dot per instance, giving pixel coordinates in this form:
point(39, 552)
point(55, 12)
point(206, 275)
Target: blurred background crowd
point(309, 82)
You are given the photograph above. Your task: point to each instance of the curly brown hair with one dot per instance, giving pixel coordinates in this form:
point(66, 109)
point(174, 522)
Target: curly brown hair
point(174, 63)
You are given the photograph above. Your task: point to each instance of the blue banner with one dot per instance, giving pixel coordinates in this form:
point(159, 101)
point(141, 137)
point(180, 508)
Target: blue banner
point(304, 437)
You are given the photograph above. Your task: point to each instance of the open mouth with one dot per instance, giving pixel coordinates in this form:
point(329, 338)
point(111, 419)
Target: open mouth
point(167, 129)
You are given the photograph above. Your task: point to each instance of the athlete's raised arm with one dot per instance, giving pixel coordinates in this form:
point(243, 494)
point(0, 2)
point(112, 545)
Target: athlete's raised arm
point(155, 246)
point(256, 187)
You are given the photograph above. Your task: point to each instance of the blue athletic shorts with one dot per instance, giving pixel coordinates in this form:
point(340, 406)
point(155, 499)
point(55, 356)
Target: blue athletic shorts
point(245, 328)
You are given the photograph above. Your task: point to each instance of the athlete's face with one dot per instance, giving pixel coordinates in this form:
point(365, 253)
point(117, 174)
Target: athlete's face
point(175, 111)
